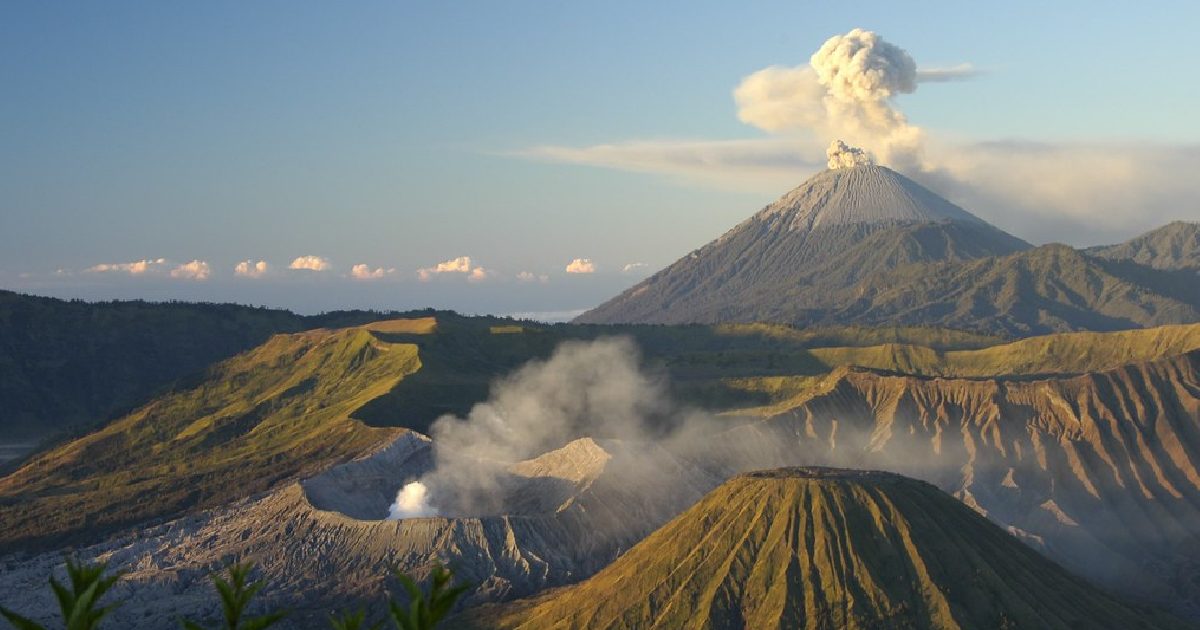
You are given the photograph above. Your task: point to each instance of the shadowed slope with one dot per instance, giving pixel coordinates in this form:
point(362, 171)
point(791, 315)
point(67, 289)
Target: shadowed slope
point(1049, 289)
point(815, 548)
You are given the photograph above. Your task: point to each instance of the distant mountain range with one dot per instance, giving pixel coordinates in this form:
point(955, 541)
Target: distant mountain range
point(865, 245)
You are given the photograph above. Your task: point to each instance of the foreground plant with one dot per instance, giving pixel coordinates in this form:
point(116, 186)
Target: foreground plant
point(236, 594)
point(353, 621)
point(80, 604)
point(424, 612)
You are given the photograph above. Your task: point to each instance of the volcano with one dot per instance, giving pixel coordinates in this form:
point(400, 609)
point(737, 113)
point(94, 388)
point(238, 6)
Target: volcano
point(801, 253)
point(828, 548)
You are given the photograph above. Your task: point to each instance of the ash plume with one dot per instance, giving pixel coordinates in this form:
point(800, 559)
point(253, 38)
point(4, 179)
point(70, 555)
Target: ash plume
point(593, 389)
point(846, 91)
point(412, 501)
point(599, 389)
point(842, 155)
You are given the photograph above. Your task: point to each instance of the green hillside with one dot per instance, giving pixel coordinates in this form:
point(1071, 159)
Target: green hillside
point(66, 366)
point(270, 414)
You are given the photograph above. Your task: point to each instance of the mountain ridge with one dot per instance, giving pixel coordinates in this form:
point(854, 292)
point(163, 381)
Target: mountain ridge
point(1175, 245)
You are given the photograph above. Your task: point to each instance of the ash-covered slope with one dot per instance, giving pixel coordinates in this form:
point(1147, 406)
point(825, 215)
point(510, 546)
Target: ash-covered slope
point(1172, 246)
point(322, 544)
point(806, 249)
point(822, 548)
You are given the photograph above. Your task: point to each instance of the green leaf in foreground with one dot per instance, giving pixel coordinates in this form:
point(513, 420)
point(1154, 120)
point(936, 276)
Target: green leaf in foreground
point(236, 594)
point(78, 604)
point(424, 612)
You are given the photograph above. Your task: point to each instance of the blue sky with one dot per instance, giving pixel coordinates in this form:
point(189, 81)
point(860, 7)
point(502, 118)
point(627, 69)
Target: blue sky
point(398, 135)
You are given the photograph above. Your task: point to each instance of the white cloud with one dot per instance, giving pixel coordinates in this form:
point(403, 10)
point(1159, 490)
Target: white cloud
point(960, 72)
point(581, 265)
point(752, 164)
point(251, 268)
point(846, 92)
point(310, 263)
point(136, 268)
point(460, 265)
point(194, 270)
point(634, 266)
point(529, 276)
point(1083, 194)
point(364, 272)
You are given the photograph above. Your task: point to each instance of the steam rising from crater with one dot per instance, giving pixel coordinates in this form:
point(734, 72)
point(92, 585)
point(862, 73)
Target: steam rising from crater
point(599, 389)
point(846, 90)
point(585, 389)
point(842, 155)
point(411, 502)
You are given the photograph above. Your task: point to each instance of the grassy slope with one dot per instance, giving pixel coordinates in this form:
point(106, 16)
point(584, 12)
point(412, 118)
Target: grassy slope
point(67, 366)
point(272, 413)
point(869, 551)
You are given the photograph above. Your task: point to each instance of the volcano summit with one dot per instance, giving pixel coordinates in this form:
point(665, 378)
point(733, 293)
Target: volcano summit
point(802, 252)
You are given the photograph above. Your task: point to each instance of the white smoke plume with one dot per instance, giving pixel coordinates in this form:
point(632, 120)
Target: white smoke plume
point(842, 155)
point(411, 502)
point(599, 389)
point(846, 91)
point(594, 389)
